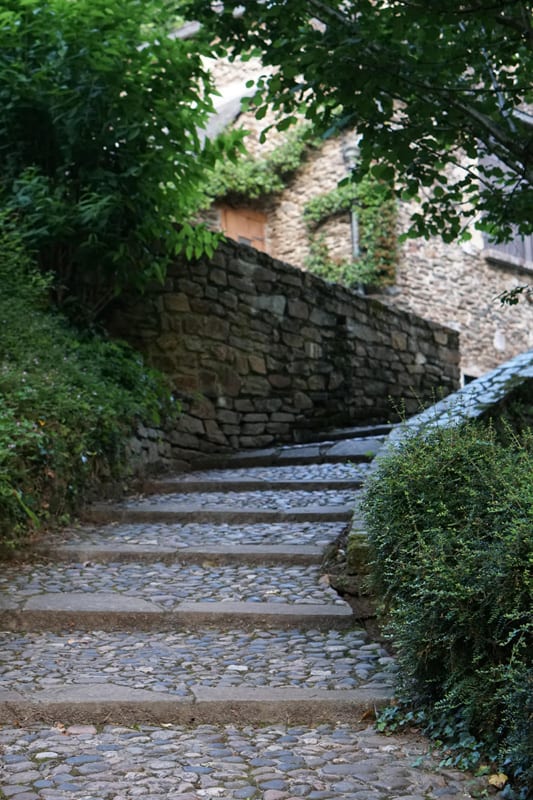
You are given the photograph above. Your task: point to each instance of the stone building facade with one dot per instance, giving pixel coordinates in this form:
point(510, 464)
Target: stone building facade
point(456, 285)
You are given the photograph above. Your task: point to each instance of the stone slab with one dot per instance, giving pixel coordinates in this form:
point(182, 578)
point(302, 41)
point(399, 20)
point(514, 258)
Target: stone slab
point(356, 448)
point(246, 485)
point(217, 554)
point(168, 512)
point(90, 602)
point(95, 704)
point(97, 693)
point(293, 455)
point(267, 614)
point(110, 612)
point(358, 432)
point(111, 703)
point(270, 705)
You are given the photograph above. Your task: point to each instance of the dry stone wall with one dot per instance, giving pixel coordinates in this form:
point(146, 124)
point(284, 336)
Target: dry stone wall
point(260, 352)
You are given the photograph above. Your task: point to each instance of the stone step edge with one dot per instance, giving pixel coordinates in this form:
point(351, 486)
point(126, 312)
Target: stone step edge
point(109, 612)
point(332, 452)
point(222, 486)
point(102, 513)
point(341, 434)
point(111, 703)
point(241, 461)
point(304, 555)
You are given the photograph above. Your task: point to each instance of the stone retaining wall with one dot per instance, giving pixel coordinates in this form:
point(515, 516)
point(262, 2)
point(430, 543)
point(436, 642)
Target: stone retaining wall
point(259, 351)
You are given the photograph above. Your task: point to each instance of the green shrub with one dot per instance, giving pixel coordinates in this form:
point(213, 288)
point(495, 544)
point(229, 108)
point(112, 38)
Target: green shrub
point(68, 401)
point(100, 148)
point(450, 520)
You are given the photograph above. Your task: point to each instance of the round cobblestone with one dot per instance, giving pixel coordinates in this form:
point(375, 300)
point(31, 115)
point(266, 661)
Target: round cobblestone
point(303, 472)
point(267, 500)
point(168, 585)
point(323, 763)
point(182, 536)
point(174, 662)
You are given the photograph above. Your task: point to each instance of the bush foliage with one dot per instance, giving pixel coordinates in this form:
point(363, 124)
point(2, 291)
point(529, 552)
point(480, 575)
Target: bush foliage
point(68, 401)
point(101, 151)
point(450, 520)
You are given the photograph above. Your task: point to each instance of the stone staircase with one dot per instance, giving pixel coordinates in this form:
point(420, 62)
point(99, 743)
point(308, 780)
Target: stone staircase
point(200, 604)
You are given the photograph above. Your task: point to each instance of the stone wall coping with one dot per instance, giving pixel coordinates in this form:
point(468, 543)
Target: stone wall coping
point(471, 401)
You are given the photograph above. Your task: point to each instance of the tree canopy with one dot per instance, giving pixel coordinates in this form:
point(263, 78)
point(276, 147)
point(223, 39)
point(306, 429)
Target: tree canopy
point(439, 94)
point(101, 150)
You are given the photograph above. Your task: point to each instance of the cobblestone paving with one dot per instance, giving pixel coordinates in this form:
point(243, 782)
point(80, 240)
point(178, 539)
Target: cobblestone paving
point(227, 761)
point(304, 472)
point(174, 662)
point(319, 534)
point(168, 585)
point(267, 500)
point(271, 763)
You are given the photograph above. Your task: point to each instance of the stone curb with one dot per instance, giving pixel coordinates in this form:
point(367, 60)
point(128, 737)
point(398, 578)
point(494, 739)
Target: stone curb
point(108, 612)
point(289, 555)
point(332, 452)
point(164, 486)
point(361, 432)
point(110, 703)
point(101, 513)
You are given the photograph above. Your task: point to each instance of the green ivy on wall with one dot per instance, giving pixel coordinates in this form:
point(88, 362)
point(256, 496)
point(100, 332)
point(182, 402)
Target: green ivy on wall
point(252, 178)
point(376, 216)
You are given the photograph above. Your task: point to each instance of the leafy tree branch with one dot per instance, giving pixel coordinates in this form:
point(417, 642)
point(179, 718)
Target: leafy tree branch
point(424, 85)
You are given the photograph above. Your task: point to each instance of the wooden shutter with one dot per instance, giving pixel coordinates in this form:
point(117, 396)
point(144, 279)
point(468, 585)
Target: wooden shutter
point(245, 226)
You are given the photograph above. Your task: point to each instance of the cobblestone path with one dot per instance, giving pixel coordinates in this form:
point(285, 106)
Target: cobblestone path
point(184, 644)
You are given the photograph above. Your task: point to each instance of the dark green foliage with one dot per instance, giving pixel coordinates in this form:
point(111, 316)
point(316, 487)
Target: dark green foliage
point(68, 401)
point(100, 150)
point(376, 216)
point(248, 177)
point(450, 521)
point(424, 84)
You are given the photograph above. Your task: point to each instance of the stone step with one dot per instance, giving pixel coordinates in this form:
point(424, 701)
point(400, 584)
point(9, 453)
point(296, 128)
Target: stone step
point(337, 434)
point(265, 506)
point(102, 513)
point(201, 537)
point(110, 612)
point(266, 499)
point(162, 596)
point(236, 484)
point(317, 477)
point(358, 450)
point(99, 704)
point(214, 554)
point(164, 674)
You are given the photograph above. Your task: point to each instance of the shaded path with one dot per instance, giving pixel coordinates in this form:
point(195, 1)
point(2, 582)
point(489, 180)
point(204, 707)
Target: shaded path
point(198, 614)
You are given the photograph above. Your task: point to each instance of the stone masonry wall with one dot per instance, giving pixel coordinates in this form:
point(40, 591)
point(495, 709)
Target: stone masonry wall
point(261, 352)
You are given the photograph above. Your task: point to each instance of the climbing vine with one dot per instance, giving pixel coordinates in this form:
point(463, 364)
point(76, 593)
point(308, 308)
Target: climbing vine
point(376, 216)
point(251, 178)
